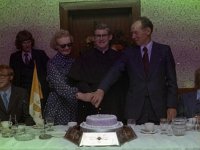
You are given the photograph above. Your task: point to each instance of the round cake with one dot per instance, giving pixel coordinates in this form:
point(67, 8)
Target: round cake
point(101, 122)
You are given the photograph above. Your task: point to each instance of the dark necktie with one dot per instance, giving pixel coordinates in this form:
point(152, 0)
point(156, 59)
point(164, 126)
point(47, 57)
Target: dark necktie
point(5, 100)
point(26, 58)
point(145, 60)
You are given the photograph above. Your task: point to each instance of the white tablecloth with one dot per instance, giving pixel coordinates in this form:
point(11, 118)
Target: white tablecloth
point(191, 141)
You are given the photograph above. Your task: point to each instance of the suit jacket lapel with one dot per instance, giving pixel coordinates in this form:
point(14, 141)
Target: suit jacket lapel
point(33, 55)
point(13, 99)
point(2, 106)
point(154, 59)
point(35, 58)
point(20, 58)
point(139, 63)
point(193, 97)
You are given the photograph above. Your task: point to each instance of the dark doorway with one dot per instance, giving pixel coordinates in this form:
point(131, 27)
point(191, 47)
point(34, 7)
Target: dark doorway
point(81, 19)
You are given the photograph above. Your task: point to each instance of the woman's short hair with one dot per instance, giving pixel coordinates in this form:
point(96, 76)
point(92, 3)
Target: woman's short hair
point(22, 36)
point(8, 68)
point(197, 78)
point(59, 34)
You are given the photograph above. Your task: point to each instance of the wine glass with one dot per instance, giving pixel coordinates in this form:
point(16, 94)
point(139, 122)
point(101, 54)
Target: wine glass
point(50, 123)
point(131, 123)
point(197, 121)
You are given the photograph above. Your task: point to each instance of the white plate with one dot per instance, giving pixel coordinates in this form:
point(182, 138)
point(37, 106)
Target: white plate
point(144, 131)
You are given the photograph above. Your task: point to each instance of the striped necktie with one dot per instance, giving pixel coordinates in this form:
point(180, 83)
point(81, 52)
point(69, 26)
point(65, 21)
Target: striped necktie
point(145, 60)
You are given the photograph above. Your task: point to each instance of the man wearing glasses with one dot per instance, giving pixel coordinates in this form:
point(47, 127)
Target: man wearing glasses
point(90, 69)
point(13, 100)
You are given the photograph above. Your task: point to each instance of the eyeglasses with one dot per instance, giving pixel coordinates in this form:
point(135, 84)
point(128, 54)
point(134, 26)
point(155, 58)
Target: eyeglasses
point(100, 35)
point(64, 45)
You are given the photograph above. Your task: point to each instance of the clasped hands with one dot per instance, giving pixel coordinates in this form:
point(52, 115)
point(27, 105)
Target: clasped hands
point(94, 97)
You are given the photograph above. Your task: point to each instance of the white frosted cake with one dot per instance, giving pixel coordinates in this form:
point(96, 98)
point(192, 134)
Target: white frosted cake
point(101, 122)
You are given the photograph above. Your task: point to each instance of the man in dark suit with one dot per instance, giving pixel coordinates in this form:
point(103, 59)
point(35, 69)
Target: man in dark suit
point(189, 103)
point(152, 90)
point(22, 62)
point(89, 70)
point(13, 100)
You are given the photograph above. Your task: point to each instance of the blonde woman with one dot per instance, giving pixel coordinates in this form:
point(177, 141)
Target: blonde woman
point(62, 103)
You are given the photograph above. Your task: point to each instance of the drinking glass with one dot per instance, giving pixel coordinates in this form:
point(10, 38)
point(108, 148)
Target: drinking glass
point(50, 123)
point(197, 124)
point(13, 124)
point(43, 134)
point(163, 125)
point(131, 123)
point(169, 129)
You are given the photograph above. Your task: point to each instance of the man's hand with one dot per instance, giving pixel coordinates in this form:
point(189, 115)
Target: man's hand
point(171, 113)
point(97, 97)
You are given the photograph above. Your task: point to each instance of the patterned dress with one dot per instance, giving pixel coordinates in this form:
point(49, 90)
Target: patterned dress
point(61, 103)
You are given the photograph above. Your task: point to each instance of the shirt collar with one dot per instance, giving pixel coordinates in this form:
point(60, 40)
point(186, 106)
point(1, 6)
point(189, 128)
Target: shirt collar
point(8, 92)
point(29, 54)
point(148, 46)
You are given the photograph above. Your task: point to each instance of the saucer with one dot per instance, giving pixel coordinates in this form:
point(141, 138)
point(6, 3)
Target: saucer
point(144, 131)
point(24, 137)
point(45, 136)
point(37, 127)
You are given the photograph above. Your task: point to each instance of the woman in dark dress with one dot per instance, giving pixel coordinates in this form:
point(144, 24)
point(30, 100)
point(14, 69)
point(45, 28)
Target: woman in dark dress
point(62, 103)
